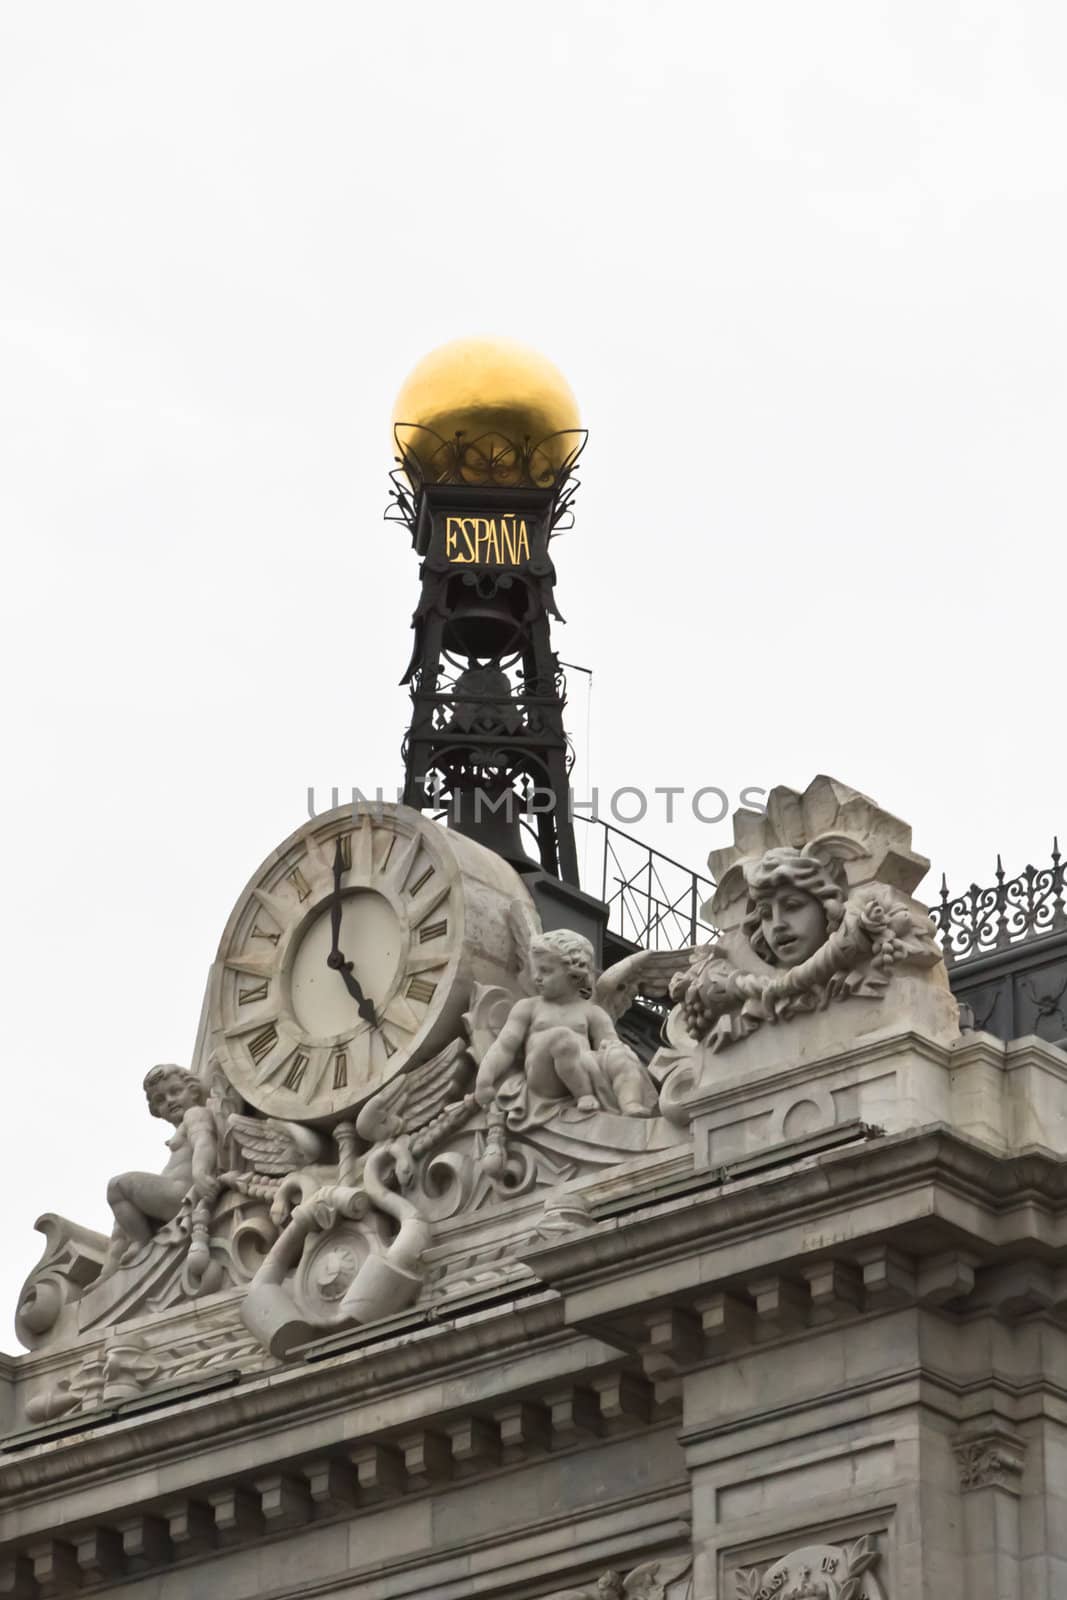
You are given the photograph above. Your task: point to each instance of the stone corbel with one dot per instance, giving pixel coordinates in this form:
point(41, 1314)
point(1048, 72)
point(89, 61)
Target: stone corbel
point(992, 1459)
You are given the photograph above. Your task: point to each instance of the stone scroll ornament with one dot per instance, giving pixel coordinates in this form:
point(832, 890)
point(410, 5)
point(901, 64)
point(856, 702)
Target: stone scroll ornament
point(817, 1572)
point(814, 905)
point(351, 1250)
point(664, 1579)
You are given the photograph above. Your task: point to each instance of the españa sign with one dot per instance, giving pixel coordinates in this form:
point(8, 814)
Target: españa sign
point(501, 541)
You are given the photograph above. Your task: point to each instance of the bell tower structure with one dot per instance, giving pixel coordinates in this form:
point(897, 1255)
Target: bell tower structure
point(487, 436)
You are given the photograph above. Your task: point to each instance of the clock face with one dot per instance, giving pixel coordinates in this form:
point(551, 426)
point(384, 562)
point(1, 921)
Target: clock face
point(335, 974)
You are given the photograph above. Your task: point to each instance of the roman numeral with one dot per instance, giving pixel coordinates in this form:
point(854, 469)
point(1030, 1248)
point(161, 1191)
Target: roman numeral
point(421, 882)
point(297, 1068)
point(421, 989)
point(345, 841)
point(263, 1043)
point(340, 1070)
point(390, 1049)
point(255, 991)
point(299, 883)
point(262, 933)
point(433, 930)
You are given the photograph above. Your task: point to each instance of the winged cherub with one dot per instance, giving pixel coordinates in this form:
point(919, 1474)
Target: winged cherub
point(141, 1201)
point(563, 1036)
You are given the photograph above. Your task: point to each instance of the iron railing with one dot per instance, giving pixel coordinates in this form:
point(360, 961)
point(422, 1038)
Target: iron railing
point(656, 902)
point(1006, 913)
point(652, 900)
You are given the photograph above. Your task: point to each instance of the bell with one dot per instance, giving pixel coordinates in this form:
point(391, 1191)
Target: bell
point(492, 821)
point(485, 617)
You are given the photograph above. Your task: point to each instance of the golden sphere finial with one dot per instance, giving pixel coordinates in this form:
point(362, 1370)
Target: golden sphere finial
point(478, 387)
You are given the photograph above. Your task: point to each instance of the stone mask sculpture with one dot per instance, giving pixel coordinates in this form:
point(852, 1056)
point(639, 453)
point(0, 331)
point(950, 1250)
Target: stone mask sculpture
point(818, 913)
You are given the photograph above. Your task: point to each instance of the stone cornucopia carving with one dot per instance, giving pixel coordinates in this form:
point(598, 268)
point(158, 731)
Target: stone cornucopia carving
point(813, 900)
point(814, 903)
point(822, 943)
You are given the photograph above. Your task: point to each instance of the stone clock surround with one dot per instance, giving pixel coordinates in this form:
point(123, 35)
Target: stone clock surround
point(431, 882)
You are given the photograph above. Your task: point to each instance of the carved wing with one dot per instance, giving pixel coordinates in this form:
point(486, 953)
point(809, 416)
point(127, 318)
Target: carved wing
point(489, 1010)
point(522, 920)
point(223, 1101)
point(272, 1147)
point(645, 972)
point(416, 1097)
point(652, 1579)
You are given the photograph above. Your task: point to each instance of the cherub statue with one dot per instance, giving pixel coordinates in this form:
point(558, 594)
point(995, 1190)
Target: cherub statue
point(141, 1201)
point(556, 1033)
point(562, 1038)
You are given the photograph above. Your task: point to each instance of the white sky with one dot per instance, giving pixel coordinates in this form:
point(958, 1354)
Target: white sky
point(804, 265)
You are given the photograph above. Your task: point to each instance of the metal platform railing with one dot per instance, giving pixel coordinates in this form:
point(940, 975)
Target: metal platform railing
point(653, 901)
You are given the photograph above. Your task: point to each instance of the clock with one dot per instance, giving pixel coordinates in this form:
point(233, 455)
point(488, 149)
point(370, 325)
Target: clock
point(352, 955)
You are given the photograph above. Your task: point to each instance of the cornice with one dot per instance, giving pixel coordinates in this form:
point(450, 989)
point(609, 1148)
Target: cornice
point(921, 1163)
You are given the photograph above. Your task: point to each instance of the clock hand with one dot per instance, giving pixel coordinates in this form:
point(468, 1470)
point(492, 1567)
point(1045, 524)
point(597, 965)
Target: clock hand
point(364, 1006)
point(336, 959)
point(335, 904)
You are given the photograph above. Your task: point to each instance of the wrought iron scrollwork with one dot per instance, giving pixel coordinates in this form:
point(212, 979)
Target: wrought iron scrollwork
point(1005, 913)
point(489, 461)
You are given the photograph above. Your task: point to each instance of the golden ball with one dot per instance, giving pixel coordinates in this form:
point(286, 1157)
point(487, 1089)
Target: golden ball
point(485, 387)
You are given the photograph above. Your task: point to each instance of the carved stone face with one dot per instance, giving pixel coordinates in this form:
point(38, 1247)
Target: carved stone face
point(793, 924)
point(552, 976)
point(172, 1096)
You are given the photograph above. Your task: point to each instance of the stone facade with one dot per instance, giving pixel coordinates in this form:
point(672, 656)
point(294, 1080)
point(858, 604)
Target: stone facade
point(779, 1312)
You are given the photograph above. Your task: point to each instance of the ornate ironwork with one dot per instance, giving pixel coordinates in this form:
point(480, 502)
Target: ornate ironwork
point(655, 901)
point(1006, 913)
point(489, 461)
point(652, 900)
point(487, 689)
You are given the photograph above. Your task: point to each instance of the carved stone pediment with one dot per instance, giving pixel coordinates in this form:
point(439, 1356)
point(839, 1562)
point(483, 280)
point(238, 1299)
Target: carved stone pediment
point(821, 941)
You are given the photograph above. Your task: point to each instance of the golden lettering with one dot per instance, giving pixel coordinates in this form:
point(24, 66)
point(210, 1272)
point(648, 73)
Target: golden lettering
point(487, 541)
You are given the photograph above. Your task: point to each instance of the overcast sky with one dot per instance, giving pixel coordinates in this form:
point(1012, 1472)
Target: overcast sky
point(804, 267)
